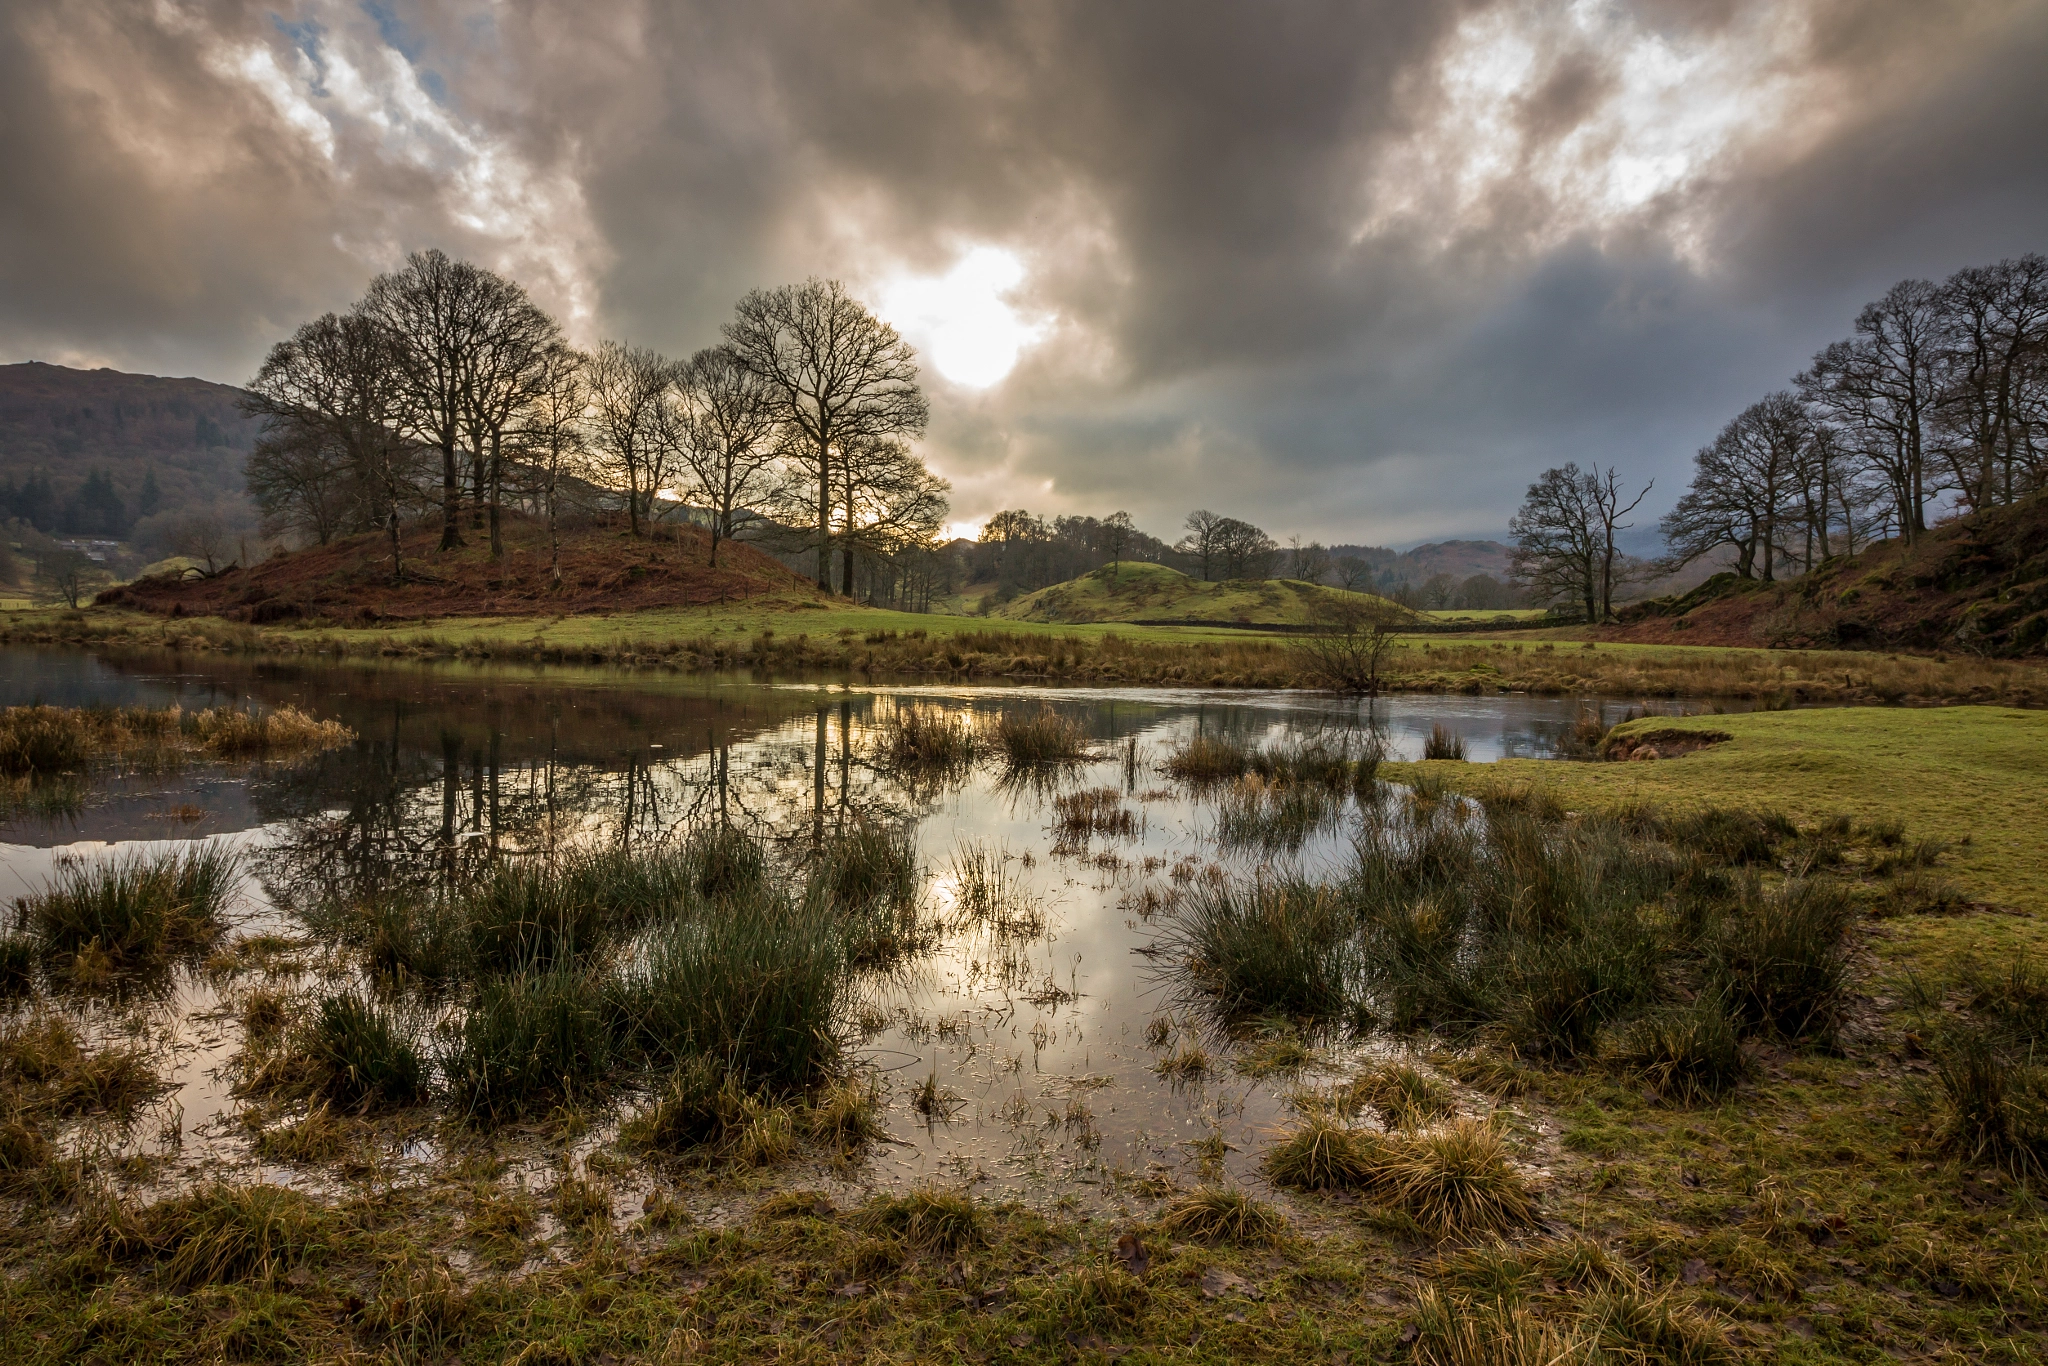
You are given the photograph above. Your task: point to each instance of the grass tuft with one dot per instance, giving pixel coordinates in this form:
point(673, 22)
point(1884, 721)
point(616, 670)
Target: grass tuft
point(1686, 1054)
point(1323, 1154)
point(929, 1218)
point(1043, 737)
point(1457, 1180)
point(1443, 744)
point(364, 1057)
point(134, 914)
point(1223, 1214)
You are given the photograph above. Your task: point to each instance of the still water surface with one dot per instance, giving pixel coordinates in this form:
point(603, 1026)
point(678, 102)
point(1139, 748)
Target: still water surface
point(1041, 1041)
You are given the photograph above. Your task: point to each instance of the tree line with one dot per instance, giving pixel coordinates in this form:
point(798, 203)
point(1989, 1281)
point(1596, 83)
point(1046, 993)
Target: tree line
point(446, 390)
point(1939, 393)
point(1938, 397)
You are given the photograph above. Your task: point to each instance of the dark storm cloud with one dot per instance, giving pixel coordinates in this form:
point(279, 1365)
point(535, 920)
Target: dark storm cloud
point(1353, 270)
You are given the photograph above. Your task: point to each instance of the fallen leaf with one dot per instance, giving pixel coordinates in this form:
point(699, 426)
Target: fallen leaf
point(852, 1290)
point(1132, 1254)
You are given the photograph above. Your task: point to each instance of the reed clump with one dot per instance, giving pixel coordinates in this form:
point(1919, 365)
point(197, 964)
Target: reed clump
point(1265, 946)
point(1092, 811)
point(364, 1055)
point(1400, 1095)
point(1208, 758)
point(238, 732)
point(1273, 815)
point(988, 890)
point(927, 737)
point(1443, 743)
point(1041, 737)
point(132, 914)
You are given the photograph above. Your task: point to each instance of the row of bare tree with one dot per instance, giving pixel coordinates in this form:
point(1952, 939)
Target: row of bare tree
point(1941, 391)
point(446, 384)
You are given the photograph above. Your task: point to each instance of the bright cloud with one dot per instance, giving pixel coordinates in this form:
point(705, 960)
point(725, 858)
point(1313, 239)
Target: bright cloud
point(964, 320)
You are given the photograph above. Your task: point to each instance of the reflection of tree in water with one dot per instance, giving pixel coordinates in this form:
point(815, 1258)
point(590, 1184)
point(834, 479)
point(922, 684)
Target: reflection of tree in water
point(426, 797)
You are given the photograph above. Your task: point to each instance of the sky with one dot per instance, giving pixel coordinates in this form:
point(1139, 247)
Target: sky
point(1355, 272)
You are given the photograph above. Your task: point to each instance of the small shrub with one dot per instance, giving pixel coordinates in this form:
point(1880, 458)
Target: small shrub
point(1222, 1214)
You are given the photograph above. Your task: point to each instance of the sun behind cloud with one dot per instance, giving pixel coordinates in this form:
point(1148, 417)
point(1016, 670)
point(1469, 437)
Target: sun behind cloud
point(964, 319)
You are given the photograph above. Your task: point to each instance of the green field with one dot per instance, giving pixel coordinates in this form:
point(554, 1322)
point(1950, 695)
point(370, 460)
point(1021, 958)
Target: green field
point(1969, 775)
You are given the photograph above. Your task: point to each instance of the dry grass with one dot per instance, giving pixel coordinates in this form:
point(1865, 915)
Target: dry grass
point(1223, 1214)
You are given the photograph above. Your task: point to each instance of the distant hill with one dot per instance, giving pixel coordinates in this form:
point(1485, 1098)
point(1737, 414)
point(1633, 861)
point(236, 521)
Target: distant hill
point(1978, 583)
point(1459, 559)
point(349, 580)
point(101, 453)
point(1140, 592)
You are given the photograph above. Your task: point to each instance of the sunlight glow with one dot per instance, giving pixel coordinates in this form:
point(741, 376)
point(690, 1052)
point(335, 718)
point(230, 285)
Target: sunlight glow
point(963, 319)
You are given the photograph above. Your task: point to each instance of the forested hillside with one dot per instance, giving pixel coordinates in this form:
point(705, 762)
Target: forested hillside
point(104, 454)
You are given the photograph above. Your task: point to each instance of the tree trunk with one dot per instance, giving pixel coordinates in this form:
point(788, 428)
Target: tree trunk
point(451, 499)
point(397, 563)
point(497, 473)
point(824, 520)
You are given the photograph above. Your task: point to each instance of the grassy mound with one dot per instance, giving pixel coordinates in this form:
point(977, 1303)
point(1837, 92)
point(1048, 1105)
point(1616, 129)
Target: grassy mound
point(1154, 593)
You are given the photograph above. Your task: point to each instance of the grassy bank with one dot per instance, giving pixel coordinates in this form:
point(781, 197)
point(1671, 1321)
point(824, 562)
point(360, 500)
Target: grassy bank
point(864, 643)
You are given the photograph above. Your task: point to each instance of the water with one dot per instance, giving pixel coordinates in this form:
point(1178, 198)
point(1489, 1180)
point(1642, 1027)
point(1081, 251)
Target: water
point(1043, 1046)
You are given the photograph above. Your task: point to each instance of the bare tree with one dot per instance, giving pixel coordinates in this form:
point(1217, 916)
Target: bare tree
point(1201, 540)
point(629, 390)
point(1353, 574)
point(1880, 388)
point(1745, 484)
point(1565, 537)
point(550, 434)
point(1117, 529)
point(436, 313)
point(513, 355)
point(890, 502)
point(1311, 561)
point(840, 374)
point(334, 392)
point(729, 445)
point(1346, 647)
point(1995, 378)
point(1246, 551)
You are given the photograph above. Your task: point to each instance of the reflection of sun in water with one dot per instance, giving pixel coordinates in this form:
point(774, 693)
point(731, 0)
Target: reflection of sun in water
point(962, 319)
